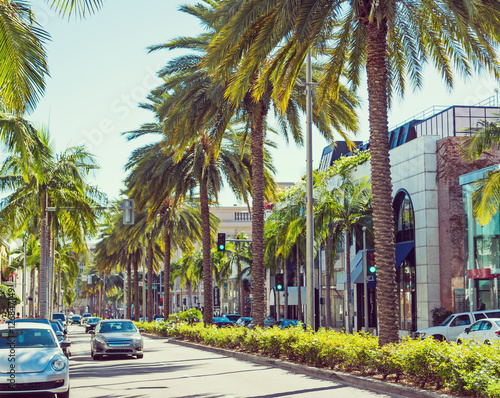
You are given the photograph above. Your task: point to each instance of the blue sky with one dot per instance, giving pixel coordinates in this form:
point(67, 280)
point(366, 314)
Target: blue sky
point(100, 71)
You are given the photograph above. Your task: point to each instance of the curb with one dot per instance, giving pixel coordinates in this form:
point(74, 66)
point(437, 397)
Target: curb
point(344, 378)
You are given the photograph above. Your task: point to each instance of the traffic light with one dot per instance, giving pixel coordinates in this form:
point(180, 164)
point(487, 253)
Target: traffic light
point(278, 282)
point(221, 242)
point(372, 266)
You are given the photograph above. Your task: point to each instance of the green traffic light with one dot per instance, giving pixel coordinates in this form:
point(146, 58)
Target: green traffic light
point(279, 287)
point(221, 247)
point(372, 269)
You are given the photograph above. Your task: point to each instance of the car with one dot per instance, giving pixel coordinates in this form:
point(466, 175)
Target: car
point(61, 336)
point(455, 324)
point(243, 321)
point(76, 320)
point(38, 353)
point(91, 324)
point(289, 323)
point(483, 331)
point(232, 317)
point(116, 337)
point(64, 329)
point(61, 317)
point(30, 320)
point(85, 317)
point(222, 322)
point(160, 320)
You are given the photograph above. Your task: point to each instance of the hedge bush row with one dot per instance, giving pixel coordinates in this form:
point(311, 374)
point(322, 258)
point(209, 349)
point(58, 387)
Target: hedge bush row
point(469, 369)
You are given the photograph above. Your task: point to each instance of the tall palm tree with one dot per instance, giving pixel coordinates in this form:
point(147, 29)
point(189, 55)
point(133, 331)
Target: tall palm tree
point(393, 40)
point(211, 108)
point(347, 205)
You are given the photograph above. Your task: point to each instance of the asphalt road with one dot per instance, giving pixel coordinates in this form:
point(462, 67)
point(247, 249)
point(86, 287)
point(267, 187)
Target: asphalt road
point(170, 370)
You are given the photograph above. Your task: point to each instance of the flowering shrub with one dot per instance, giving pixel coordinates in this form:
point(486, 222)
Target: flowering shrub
point(468, 368)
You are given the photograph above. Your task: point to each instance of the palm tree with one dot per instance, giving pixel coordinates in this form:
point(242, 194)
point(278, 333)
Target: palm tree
point(392, 39)
point(486, 194)
point(346, 206)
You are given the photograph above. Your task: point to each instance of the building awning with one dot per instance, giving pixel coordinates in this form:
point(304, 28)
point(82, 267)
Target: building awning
point(402, 250)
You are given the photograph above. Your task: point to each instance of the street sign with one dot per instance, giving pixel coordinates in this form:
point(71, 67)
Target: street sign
point(370, 278)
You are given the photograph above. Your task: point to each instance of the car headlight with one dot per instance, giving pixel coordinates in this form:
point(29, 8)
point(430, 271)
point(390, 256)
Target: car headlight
point(100, 340)
point(58, 364)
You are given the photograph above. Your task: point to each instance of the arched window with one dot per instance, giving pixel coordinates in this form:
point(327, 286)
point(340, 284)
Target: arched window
point(406, 272)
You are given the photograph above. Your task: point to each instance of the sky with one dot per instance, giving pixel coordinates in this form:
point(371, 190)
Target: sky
point(100, 71)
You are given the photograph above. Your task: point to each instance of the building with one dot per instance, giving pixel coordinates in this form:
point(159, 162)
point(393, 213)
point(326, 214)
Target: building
point(428, 174)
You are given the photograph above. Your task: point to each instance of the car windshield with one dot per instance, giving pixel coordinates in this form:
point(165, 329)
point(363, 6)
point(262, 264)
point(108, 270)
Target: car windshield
point(94, 320)
point(117, 327)
point(59, 316)
point(447, 320)
point(26, 338)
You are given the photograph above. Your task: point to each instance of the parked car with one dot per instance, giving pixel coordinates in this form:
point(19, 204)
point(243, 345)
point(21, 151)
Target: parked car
point(91, 324)
point(62, 317)
point(483, 331)
point(32, 320)
point(289, 323)
point(61, 336)
point(455, 324)
point(116, 337)
point(232, 317)
point(76, 320)
point(85, 317)
point(39, 355)
point(243, 321)
point(64, 329)
point(222, 322)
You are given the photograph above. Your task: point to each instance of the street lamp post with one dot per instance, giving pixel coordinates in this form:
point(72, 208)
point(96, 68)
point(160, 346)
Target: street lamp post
point(365, 280)
point(309, 196)
point(24, 278)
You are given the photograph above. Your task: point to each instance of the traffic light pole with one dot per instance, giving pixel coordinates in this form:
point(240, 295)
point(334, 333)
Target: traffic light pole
point(365, 280)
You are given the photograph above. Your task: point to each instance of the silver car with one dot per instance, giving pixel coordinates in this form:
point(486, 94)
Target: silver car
point(32, 360)
point(116, 337)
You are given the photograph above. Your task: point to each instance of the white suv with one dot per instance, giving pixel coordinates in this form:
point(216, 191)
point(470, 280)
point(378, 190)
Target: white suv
point(455, 324)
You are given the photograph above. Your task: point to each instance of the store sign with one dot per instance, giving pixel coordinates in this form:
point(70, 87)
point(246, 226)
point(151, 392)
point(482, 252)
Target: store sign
point(480, 273)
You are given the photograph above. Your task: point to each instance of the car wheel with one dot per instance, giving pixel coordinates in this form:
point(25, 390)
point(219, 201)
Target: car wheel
point(459, 341)
point(140, 356)
point(63, 394)
point(487, 342)
point(440, 338)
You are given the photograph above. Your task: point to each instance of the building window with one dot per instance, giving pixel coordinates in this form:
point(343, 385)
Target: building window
point(405, 274)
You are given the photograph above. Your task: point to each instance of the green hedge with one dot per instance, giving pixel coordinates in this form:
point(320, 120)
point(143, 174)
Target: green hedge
point(470, 369)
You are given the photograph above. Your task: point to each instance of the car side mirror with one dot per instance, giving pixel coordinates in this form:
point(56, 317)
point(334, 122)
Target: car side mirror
point(467, 330)
point(65, 344)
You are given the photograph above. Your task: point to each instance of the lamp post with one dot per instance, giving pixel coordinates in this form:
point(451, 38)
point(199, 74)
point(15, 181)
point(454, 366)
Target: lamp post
point(309, 196)
point(365, 280)
point(24, 278)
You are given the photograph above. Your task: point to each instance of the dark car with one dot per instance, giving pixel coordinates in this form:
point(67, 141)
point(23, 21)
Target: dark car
point(232, 317)
point(64, 329)
point(91, 324)
point(61, 317)
point(289, 323)
point(116, 337)
point(61, 336)
point(76, 320)
point(222, 322)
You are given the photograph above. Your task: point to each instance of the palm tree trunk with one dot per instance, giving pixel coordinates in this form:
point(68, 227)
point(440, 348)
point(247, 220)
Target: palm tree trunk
point(149, 292)
point(383, 214)
point(299, 295)
point(258, 246)
point(50, 270)
point(32, 292)
point(129, 289)
point(166, 274)
point(137, 300)
point(59, 288)
point(42, 283)
point(208, 310)
point(348, 281)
